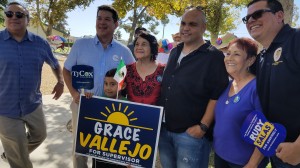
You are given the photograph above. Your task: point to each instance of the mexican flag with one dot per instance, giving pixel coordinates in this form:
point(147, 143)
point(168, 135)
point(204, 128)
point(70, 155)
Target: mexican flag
point(120, 74)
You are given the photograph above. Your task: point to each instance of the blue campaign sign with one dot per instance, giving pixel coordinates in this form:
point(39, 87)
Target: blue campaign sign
point(83, 77)
point(118, 131)
point(264, 135)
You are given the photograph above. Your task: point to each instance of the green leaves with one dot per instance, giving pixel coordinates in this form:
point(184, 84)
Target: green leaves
point(53, 13)
point(221, 14)
point(2, 7)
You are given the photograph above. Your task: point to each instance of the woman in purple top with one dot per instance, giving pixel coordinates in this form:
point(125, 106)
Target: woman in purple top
point(233, 106)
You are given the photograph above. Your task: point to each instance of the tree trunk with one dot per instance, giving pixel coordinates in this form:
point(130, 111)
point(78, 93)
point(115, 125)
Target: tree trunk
point(288, 7)
point(49, 30)
point(131, 34)
point(213, 38)
point(163, 34)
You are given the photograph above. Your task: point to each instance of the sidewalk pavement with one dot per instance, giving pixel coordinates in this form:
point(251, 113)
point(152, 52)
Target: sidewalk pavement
point(56, 150)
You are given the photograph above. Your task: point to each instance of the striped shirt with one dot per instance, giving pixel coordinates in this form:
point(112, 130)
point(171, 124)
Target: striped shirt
point(20, 73)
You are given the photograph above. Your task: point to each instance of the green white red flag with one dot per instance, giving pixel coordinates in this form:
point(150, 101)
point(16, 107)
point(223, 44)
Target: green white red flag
point(120, 74)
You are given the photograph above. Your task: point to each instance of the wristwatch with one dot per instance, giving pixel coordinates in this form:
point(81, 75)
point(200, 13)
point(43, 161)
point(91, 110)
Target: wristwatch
point(203, 127)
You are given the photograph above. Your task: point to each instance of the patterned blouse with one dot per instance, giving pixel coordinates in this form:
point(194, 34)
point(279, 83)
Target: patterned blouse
point(140, 91)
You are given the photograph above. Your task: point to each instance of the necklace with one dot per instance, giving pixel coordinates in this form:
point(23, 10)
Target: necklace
point(235, 100)
point(236, 91)
point(237, 86)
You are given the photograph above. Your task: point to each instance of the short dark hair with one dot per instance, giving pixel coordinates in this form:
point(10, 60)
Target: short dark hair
point(274, 5)
point(246, 44)
point(137, 30)
point(111, 73)
point(152, 41)
point(249, 46)
point(110, 9)
point(17, 3)
point(197, 8)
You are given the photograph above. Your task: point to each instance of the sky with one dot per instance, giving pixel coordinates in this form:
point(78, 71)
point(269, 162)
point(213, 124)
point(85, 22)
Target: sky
point(82, 22)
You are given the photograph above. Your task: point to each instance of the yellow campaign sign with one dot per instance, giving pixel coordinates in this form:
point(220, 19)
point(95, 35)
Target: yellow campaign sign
point(264, 134)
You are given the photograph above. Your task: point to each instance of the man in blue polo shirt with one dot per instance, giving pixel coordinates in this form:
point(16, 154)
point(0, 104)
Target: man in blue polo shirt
point(103, 53)
point(22, 55)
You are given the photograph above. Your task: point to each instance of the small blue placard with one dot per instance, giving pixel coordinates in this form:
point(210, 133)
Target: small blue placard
point(83, 77)
point(266, 136)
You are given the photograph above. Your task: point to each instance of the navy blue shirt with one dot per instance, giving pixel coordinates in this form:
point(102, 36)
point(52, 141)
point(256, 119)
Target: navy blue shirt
point(20, 73)
point(278, 81)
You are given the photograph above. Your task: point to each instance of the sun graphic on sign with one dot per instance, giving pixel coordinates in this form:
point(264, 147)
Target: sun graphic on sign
point(117, 116)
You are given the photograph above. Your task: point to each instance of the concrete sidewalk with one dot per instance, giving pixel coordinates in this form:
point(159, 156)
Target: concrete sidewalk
point(56, 150)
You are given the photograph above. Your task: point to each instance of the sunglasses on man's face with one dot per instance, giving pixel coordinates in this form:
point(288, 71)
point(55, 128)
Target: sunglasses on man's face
point(256, 15)
point(19, 15)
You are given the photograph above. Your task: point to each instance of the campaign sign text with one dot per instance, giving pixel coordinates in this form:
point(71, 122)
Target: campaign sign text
point(263, 134)
point(118, 131)
point(82, 77)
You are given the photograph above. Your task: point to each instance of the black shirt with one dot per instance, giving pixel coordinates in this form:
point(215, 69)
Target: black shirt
point(278, 81)
point(187, 89)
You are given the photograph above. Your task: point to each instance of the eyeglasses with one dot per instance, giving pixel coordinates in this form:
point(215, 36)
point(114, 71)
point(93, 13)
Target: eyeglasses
point(256, 15)
point(19, 15)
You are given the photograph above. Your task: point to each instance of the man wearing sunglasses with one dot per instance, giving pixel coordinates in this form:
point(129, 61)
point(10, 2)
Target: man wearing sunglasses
point(278, 74)
point(22, 55)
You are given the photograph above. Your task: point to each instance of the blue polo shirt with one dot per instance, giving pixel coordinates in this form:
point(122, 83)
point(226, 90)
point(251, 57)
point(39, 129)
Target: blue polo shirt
point(89, 51)
point(20, 73)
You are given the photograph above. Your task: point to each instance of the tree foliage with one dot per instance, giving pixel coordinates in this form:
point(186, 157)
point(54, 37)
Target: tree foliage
point(51, 14)
point(2, 6)
point(164, 22)
point(295, 16)
point(291, 14)
point(220, 16)
point(288, 7)
point(136, 13)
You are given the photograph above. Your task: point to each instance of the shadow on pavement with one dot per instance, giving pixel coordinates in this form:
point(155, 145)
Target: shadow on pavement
point(56, 150)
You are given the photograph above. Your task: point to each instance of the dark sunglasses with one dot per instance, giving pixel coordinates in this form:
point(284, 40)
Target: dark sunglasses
point(10, 14)
point(256, 15)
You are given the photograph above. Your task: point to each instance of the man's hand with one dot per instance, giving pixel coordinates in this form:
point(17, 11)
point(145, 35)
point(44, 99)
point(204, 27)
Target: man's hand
point(289, 152)
point(88, 95)
point(58, 90)
point(195, 131)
